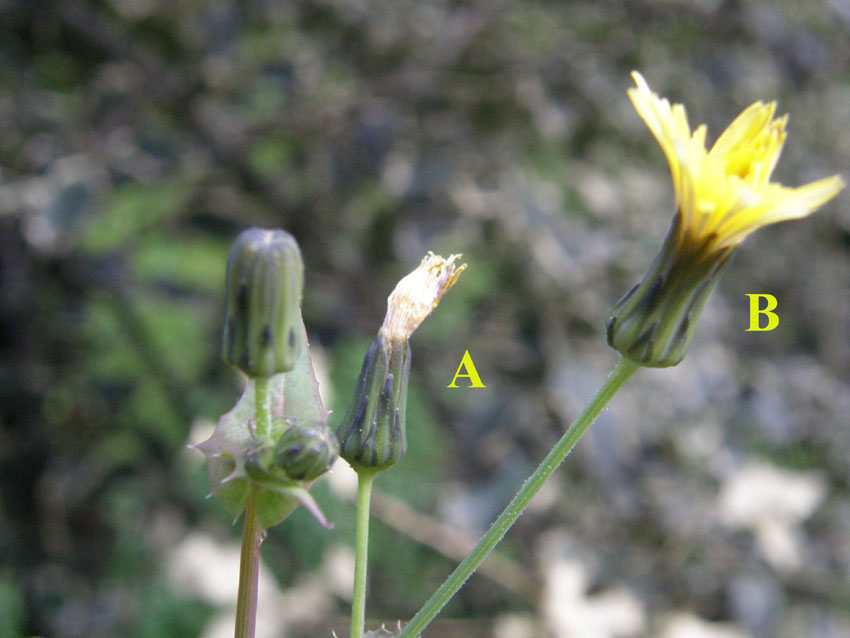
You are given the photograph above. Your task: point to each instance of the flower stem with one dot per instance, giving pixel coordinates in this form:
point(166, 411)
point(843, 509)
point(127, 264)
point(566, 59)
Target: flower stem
point(512, 512)
point(262, 407)
point(249, 571)
point(252, 531)
point(361, 551)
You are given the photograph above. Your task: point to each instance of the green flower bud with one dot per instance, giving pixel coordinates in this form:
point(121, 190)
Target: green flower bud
point(372, 434)
point(306, 452)
point(299, 452)
point(653, 325)
point(265, 277)
point(259, 462)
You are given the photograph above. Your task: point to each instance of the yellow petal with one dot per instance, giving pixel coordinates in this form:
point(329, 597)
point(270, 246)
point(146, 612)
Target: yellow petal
point(743, 129)
point(667, 129)
point(778, 204)
point(725, 193)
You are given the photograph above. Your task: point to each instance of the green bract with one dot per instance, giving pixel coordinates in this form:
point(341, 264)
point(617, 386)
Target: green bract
point(372, 434)
point(653, 324)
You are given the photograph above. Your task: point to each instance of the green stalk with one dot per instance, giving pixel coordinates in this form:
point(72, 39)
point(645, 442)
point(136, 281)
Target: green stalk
point(262, 407)
point(249, 571)
point(361, 551)
point(625, 368)
point(252, 532)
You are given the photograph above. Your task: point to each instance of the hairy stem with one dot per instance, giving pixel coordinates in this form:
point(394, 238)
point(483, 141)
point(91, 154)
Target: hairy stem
point(512, 512)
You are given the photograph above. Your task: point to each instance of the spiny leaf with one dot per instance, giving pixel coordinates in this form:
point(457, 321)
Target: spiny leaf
point(294, 394)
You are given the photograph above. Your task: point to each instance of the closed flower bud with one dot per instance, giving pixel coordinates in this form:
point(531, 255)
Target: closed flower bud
point(372, 434)
point(261, 452)
point(265, 277)
point(306, 451)
point(259, 462)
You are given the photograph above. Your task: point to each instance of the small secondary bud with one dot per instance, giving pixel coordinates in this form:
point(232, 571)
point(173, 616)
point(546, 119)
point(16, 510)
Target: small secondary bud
point(265, 277)
point(305, 452)
point(297, 451)
point(372, 434)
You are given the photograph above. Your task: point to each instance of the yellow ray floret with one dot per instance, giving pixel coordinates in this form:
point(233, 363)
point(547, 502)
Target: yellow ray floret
point(725, 193)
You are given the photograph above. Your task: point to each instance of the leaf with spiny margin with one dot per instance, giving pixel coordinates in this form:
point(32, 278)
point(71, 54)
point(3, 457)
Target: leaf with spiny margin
point(292, 394)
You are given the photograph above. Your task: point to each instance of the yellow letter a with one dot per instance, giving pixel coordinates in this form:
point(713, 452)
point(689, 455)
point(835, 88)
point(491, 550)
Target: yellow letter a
point(755, 311)
point(471, 373)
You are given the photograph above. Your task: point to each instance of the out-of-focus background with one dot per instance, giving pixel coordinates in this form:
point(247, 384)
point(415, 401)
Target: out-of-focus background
point(138, 137)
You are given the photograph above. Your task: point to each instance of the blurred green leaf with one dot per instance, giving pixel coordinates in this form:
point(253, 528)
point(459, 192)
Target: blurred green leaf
point(132, 210)
point(194, 262)
point(12, 608)
point(166, 614)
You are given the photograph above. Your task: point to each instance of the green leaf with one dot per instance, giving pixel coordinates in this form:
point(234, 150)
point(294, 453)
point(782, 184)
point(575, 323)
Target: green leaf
point(273, 507)
point(301, 390)
point(132, 210)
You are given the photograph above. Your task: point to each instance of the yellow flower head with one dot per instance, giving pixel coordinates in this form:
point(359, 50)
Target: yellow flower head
point(725, 193)
point(722, 195)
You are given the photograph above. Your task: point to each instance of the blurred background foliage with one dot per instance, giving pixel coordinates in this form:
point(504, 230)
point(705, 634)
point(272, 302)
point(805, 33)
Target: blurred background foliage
point(138, 137)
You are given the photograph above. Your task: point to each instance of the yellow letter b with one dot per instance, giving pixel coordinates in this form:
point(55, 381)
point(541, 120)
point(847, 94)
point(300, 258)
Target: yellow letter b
point(755, 311)
point(471, 373)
